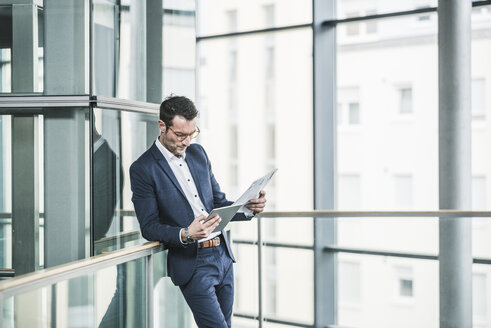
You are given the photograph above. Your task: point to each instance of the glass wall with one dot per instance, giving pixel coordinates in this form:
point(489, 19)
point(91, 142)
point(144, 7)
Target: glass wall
point(5, 194)
point(119, 139)
point(133, 59)
point(255, 100)
point(80, 171)
point(387, 76)
point(20, 27)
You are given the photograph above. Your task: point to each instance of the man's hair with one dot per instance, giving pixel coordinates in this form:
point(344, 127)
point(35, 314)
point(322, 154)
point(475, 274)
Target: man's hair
point(177, 105)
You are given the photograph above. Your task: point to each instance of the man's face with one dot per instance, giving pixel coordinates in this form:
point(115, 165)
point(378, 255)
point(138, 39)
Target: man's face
point(169, 137)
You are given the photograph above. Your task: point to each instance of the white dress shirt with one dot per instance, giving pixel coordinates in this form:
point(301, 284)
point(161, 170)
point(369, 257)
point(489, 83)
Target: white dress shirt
point(180, 169)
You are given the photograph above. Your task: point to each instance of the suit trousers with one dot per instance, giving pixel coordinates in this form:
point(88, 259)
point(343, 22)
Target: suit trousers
point(210, 292)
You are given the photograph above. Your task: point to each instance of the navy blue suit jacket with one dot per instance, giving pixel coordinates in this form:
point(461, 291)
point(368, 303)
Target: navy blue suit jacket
point(163, 210)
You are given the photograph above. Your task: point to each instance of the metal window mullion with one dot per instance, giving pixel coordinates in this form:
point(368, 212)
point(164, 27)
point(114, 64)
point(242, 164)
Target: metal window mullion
point(149, 284)
point(324, 170)
point(454, 137)
point(260, 273)
point(258, 31)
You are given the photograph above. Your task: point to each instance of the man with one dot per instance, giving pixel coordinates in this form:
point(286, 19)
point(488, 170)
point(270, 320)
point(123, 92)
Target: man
point(173, 191)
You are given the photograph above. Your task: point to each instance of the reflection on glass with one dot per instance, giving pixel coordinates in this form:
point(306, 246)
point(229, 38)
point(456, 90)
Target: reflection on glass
point(5, 192)
point(5, 48)
point(119, 139)
point(170, 307)
point(28, 76)
point(104, 44)
point(121, 295)
point(179, 43)
point(132, 51)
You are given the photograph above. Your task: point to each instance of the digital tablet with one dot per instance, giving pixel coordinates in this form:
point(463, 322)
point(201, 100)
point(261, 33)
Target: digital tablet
point(226, 213)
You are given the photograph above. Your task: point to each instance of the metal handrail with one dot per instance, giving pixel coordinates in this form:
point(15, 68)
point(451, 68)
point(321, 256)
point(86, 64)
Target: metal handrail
point(340, 214)
point(360, 214)
point(379, 214)
point(36, 101)
point(62, 272)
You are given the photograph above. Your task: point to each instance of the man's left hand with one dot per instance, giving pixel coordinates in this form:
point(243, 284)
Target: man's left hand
point(257, 204)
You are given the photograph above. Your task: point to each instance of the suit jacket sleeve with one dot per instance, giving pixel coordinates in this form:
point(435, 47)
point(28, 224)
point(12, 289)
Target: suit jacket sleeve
point(147, 211)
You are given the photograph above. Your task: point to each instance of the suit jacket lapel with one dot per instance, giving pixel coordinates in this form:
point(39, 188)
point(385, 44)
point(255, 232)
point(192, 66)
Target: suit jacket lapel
point(166, 168)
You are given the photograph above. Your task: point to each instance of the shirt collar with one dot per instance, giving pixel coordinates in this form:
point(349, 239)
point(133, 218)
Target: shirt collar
point(167, 154)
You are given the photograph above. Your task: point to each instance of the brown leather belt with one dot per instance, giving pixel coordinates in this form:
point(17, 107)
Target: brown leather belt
point(210, 243)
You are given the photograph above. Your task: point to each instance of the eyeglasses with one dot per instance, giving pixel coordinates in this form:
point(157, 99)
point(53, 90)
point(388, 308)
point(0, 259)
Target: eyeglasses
point(182, 136)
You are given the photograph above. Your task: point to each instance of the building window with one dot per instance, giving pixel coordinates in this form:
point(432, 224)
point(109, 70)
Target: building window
point(478, 99)
point(404, 283)
point(349, 106)
point(352, 28)
point(479, 299)
point(269, 69)
point(234, 155)
point(232, 65)
point(349, 284)
point(371, 25)
point(403, 192)
point(231, 20)
point(423, 17)
point(405, 100)
point(354, 113)
point(269, 80)
point(268, 12)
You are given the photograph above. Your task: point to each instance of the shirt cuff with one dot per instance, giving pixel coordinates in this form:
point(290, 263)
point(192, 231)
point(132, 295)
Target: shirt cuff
point(250, 215)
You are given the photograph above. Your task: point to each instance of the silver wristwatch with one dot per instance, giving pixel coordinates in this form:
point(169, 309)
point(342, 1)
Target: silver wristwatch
point(189, 239)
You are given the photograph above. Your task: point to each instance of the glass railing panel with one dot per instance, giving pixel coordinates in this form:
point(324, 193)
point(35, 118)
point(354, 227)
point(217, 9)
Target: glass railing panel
point(121, 295)
point(37, 301)
point(481, 295)
point(390, 234)
point(288, 284)
point(243, 323)
point(288, 230)
point(111, 297)
point(282, 325)
point(376, 291)
point(119, 139)
point(243, 230)
point(246, 279)
point(481, 243)
point(170, 307)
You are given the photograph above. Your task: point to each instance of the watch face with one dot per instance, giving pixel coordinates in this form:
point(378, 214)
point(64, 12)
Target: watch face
point(188, 236)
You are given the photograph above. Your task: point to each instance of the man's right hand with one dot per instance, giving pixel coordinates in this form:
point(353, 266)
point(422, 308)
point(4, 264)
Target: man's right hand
point(199, 230)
